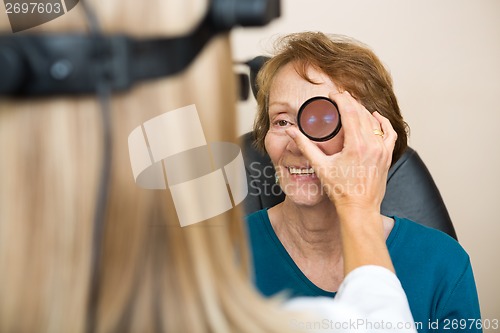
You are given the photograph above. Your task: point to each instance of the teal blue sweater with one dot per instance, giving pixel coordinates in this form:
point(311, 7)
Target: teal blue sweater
point(433, 268)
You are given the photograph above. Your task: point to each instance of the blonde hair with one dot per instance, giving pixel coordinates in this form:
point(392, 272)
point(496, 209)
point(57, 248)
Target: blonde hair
point(153, 274)
point(351, 65)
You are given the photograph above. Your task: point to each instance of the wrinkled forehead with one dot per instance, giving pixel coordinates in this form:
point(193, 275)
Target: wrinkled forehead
point(295, 83)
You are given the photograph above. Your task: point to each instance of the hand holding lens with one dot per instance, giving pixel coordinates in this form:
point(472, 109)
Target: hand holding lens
point(319, 118)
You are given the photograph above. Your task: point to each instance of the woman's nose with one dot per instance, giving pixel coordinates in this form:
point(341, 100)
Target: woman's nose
point(292, 147)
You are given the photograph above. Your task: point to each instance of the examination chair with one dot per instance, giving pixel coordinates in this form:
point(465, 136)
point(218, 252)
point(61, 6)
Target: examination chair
point(410, 193)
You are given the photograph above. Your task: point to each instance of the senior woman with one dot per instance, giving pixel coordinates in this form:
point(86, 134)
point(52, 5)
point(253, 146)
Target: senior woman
point(296, 245)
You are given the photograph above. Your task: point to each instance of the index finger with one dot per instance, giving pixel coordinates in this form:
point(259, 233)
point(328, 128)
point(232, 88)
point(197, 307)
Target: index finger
point(312, 152)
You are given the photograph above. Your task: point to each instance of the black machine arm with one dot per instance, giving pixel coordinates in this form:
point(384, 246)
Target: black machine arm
point(55, 64)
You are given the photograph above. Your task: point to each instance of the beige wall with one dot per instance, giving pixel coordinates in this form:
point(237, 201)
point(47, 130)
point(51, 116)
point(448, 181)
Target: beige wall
point(444, 56)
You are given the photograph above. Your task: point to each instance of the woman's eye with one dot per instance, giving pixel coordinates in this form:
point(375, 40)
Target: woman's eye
point(282, 123)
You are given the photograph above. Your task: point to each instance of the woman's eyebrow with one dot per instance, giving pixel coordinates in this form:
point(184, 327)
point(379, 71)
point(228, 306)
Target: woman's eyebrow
point(276, 108)
point(280, 103)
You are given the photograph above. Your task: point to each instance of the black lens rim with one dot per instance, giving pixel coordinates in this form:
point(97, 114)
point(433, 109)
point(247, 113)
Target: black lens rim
point(329, 136)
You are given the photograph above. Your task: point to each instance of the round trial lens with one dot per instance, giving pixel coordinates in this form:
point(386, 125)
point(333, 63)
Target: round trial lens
point(319, 118)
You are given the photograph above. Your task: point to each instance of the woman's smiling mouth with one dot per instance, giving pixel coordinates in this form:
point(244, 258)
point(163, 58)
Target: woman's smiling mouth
point(300, 171)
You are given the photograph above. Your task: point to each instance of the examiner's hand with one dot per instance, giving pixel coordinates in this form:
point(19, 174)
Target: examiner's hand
point(354, 178)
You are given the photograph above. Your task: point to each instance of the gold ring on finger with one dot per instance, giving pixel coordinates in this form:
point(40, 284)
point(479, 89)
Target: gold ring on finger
point(378, 132)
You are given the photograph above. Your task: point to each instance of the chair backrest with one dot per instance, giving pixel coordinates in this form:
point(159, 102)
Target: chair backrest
point(411, 192)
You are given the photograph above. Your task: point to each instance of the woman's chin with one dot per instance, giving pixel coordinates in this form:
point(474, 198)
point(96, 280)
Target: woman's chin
point(306, 199)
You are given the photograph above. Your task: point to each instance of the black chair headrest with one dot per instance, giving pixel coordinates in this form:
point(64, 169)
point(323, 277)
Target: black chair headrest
point(255, 65)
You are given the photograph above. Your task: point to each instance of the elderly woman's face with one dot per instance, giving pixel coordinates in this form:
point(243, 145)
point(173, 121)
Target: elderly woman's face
point(288, 91)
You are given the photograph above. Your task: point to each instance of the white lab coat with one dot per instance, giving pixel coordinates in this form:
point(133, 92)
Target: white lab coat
point(370, 299)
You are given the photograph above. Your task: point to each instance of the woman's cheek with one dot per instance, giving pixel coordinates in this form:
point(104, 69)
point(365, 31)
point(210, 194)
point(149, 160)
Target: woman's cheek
point(274, 144)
